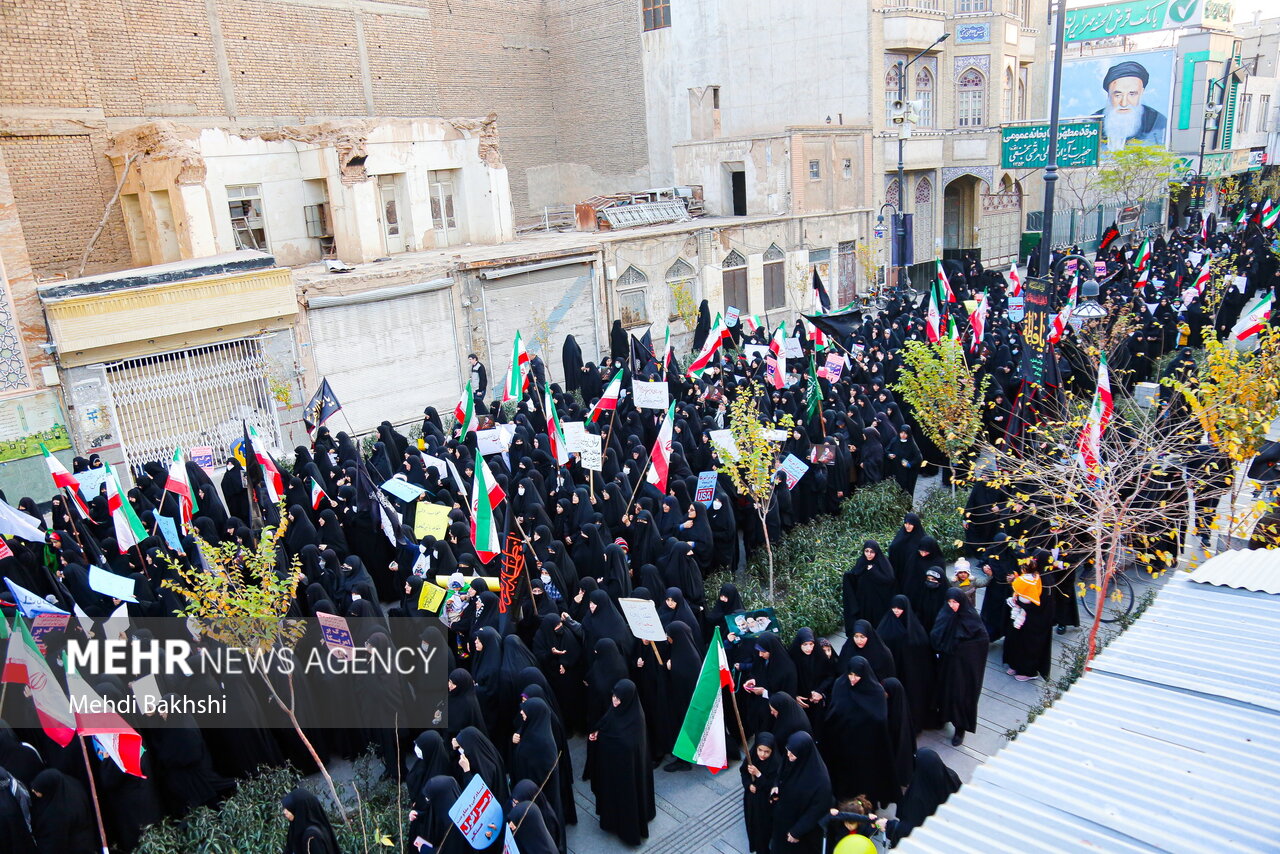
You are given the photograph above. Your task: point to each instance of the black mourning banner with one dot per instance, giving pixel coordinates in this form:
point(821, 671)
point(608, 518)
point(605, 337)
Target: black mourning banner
point(1035, 328)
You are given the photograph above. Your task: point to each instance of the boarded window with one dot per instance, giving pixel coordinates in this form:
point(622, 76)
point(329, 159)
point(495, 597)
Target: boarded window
point(734, 278)
point(775, 279)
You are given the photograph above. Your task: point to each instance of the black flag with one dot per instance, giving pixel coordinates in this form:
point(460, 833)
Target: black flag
point(323, 405)
point(1108, 237)
point(823, 298)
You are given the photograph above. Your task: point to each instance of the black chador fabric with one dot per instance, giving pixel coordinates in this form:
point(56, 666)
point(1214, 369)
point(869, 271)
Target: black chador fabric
point(309, 831)
point(432, 760)
point(604, 621)
point(857, 747)
point(913, 659)
point(814, 675)
point(532, 835)
point(482, 758)
point(961, 642)
point(1028, 648)
point(787, 716)
point(61, 816)
point(623, 778)
point(865, 641)
point(15, 805)
point(607, 668)
point(442, 793)
point(904, 545)
point(931, 784)
point(868, 586)
point(535, 755)
point(759, 776)
point(804, 796)
point(902, 735)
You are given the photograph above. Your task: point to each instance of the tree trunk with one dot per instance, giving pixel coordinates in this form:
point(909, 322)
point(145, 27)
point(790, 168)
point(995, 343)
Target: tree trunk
point(1103, 576)
point(293, 719)
point(768, 549)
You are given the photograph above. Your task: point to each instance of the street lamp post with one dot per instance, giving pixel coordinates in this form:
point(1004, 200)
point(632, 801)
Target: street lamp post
point(900, 233)
point(1051, 167)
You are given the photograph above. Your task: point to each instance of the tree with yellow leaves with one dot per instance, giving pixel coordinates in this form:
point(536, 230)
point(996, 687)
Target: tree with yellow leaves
point(945, 396)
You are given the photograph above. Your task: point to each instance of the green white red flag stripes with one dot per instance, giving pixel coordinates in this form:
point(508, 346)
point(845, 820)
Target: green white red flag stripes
point(1267, 210)
point(120, 741)
point(486, 495)
point(555, 433)
point(978, 323)
point(1100, 410)
point(778, 349)
point(518, 378)
point(945, 284)
point(933, 314)
point(179, 485)
point(317, 493)
point(608, 401)
point(1252, 321)
point(1143, 259)
point(128, 527)
point(704, 358)
point(1015, 281)
point(701, 738)
point(465, 412)
point(25, 664)
point(1241, 217)
point(64, 479)
point(660, 459)
point(1269, 215)
point(271, 477)
point(1202, 280)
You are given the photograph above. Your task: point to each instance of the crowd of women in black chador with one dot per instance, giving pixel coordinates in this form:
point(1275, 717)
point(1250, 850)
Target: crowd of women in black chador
point(561, 661)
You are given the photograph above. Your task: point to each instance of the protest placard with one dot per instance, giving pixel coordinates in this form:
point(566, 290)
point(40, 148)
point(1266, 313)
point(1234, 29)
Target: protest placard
point(201, 455)
point(169, 530)
point(1099, 269)
point(431, 597)
point(794, 468)
point(430, 520)
point(436, 464)
point(592, 457)
point(573, 433)
point(146, 690)
point(110, 584)
point(731, 315)
point(45, 623)
point(477, 814)
point(706, 490)
point(791, 348)
point(834, 367)
point(770, 372)
point(336, 634)
point(642, 618)
point(91, 481)
point(495, 441)
point(755, 351)
point(724, 443)
point(748, 624)
point(650, 395)
point(403, 489)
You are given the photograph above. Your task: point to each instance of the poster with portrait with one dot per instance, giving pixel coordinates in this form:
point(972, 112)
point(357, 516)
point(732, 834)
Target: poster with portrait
point(748, 624)
point(1132, 92)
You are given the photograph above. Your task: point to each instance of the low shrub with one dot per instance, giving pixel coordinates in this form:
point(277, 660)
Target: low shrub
point(943, 517)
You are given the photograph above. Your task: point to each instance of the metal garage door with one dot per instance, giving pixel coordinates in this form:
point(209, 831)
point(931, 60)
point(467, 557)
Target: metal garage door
point(387, 354)
point(545, 305)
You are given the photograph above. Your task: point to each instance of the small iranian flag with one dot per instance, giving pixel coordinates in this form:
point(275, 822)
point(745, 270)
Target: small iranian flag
point(978, 323)
point(1270, 215)
point(953, 332)
point(1204, 230)
point(1264, 211)
point(271, 476)
point(701, 739)
point(180, 486)
point(465, 412)
point(64, 479)
point(1090, 444)
point(26, 665)
point(317, 493)
point(128, 527)
point(1252, 321)
point(518, 379)
point(1015, 280)
point(1143, 258)
point(120, 741)
point(660, 459)
point(486, 495)
point(933, 315)
point(1063, 318)
point(944, 283)
point(704, 358)
point(1241, 217)
point(608, 401)
point(667, 350)
point(1202, 280)
point(555, 433)
point(778, 349)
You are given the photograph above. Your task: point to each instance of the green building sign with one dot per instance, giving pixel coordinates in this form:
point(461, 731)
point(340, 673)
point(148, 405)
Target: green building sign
point(1027, 146)
point(1145, 16)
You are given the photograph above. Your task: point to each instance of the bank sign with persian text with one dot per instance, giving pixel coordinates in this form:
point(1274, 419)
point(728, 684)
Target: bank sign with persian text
point(1027, 146)
point(1145, 16)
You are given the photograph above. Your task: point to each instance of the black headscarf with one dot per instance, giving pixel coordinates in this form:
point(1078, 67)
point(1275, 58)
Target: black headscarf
point(954, 627)
point(310, 825)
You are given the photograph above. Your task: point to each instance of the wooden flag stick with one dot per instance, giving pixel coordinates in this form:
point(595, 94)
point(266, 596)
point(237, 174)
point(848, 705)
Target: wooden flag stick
point(656, 654)
point(93, 792)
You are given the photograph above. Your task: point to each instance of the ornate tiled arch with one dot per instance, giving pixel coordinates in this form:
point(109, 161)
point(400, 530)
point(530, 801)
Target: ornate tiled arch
point(986, 174)
point(961, 63)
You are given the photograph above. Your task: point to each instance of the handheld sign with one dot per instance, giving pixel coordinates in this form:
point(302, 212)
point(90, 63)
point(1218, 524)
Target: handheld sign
point(403, 489)
point(110, 584)
point(336, 635)
point(1017, 308)
point(592, 456)
point(573, 433)
point(169, 529)
point(91, 481)
point(791, 348)
point(477, 814)
point(650, 395)
point(1099, 269)
point(44, 624)
point(731, 315)
point(755, 351)
point(201, 455)
point(642, 619)
point(724, 443)
point(771, 372)
point(494, 441)
point(706, 487)
point(431, 597)
point(794, 468)
point(430, 520)
point(834, 367)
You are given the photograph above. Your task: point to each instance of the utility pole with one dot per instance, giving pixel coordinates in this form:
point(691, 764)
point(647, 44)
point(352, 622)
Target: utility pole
point(903, 117)
point(1051, 168)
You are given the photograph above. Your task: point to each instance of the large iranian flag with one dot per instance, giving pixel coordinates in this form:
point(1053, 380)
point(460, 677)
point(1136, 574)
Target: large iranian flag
point(660, 459)
point(486, 495)
point(518, 378)
point(1252, 321)
point(25, 664)
point(465, 412)
point(555, 433)
point(128, 527)
point(121, 741)
point(944, 283)
point(1090, 445)
point(701, 739)
point(64, 479)
point(1143, 259)
point(704, 358)
point(608, 401)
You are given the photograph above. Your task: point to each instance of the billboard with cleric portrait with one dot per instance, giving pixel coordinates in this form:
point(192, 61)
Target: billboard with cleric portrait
point(1132, 92)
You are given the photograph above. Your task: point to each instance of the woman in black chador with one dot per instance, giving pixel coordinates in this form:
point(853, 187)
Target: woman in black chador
point(961, 641)
point(623, 781)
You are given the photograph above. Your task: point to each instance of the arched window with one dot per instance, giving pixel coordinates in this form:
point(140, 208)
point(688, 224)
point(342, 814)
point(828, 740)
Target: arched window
point(1007, 112)
point(1022, 92)
point(733, 276)
point(971, 99)
point(680, 275)
point(924, 94)
point(924, 191)
point(892, 194)
point(632, 308)
point(922, 227)
point(775, 278)
point(890, 91)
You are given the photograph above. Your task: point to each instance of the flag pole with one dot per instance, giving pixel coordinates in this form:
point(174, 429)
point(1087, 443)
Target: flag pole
point(93, 791)
point(737, 716)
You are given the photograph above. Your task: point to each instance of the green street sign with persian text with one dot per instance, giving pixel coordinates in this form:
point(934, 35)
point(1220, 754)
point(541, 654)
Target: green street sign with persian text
point(1145, 16)
point(1027, 146)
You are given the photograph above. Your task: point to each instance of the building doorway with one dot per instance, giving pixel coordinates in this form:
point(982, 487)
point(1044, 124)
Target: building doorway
point(959, 216)
point(392, 228)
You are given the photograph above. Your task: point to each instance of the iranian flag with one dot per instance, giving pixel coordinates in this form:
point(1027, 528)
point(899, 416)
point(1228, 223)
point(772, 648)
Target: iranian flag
point(704, 358)
point(128, 527)
point(555, 433)
point(1204, 230)
point(271, 476)
point(1202, 280)
point(953, 332)
point(778, 350)
point(1241, 217)
point(660, 459)
point(608, 401)
point(1099, 416)
point(944, 284)
point(1143, 259)
point(486, 495)
point(1252, 321)
point(518, 379)
point(25, 664)
point(1269, 215)
point(701, 739)
point(317, 493)
point(667, 350)
point(1015, 280)
point(1062, 318)
point(1264, 211)
point(933, 315)
point(64, 479)
point(180, 485)
point(120, 741)
point(465, 412)
point(978, 323)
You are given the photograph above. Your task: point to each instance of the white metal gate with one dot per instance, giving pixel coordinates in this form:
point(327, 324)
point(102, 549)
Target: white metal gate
point(192, 397)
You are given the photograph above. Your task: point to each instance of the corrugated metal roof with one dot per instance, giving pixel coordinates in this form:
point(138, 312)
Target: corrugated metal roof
point(1257, 569)
point(1172, 743)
